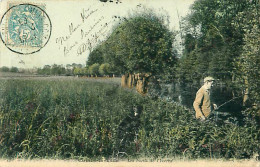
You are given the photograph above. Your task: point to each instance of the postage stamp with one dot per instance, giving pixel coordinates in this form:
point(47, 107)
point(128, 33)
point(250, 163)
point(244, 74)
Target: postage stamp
point(25, 28)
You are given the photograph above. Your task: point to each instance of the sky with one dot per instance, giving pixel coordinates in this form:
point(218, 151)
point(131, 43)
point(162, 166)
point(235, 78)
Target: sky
point(77, 26)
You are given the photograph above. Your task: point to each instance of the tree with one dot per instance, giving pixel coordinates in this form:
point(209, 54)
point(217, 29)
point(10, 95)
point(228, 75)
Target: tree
point(248, 63)
point(94, 69)
point(78, 71)
point(104, 69)
point(144, 44)
point(46, 70)
point(96, 56)
point(212, 39)
point(14, 69)
point(57, 69)
point(141, 43)
point(4, 69)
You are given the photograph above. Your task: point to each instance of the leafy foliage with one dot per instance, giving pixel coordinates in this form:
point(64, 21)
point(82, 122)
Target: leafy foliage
point(85, 120)
point(104, 69)
point(141, 43)
point(95, 57)
point(248, 63)
point(212, 39)
point(94, 69)
point(222, 40)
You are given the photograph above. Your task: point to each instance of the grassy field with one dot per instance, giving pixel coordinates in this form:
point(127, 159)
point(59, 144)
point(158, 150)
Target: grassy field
point(96, 120)
point(12, 74)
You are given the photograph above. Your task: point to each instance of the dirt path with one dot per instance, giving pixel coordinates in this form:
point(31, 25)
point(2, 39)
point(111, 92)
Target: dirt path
point(59, 163)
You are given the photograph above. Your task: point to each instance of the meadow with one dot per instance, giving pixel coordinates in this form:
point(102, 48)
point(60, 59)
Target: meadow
point(94, 121)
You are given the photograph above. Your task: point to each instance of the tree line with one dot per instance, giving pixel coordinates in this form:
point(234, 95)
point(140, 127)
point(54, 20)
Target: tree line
point(7, 69)
point(76, 70)
point(219, 39)
point(68, 70)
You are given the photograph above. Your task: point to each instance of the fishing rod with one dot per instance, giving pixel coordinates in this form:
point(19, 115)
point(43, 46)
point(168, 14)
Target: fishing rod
point(216, 116)
point(228, 102)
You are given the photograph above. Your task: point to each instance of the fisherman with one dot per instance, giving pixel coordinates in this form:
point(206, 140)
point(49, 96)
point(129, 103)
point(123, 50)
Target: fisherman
point(202, 103)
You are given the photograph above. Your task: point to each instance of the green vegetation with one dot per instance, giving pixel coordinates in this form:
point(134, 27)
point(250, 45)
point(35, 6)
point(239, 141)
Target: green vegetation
point(219, 39)
point(57, 69)
point(104, 69)
point(94, 69)
point(222, 40)
point(211, 40)
point(141, 43)
point(76, 69)
point(6, 69)
point(87, 121)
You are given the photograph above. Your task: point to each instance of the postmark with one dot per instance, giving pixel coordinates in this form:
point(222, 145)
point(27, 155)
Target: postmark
point(25, 28)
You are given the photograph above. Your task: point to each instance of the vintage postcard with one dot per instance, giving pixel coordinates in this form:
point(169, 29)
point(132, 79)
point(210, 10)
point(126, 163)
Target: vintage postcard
point(129, 83)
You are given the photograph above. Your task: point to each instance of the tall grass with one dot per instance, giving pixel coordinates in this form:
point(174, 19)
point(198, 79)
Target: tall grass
point(86, 120)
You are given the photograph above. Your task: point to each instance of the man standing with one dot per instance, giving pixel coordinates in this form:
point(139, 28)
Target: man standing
point(202, 103)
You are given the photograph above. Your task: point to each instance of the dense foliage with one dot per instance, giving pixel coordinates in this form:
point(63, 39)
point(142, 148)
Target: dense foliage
point(142, 43)
point(212, 42)
point(85, 120)
point(222, 40)
point(248, 63)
